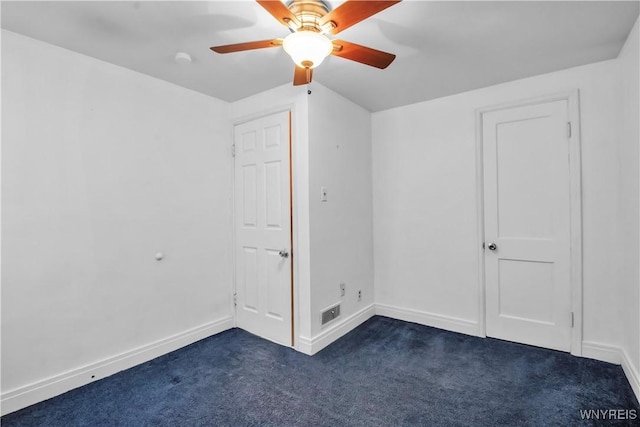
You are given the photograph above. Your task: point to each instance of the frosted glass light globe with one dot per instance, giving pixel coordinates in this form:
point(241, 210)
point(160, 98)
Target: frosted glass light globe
point(307, 48)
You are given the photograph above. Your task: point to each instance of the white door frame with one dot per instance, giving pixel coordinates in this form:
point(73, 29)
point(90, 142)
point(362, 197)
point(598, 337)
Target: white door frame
point(293, 237)
point(575, 177)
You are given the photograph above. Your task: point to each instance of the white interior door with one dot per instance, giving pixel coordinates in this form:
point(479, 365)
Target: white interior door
point(527, 224)
point(263, 227)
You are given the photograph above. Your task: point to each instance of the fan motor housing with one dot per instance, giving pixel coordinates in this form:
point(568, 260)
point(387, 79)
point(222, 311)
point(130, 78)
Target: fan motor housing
point(309, 12)
point(314, 7)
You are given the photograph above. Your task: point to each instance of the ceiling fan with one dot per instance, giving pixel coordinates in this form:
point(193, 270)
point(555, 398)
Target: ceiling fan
point(309, 22)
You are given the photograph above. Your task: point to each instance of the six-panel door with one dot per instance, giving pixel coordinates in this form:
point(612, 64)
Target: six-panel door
point(263, 227)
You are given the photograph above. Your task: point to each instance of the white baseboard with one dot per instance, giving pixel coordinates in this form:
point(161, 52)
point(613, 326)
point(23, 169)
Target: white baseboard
point(616, 355)
point(603, 352)
point(22, 397)
point(631, 372)
point(429, 319)
point(313, 345)
point(36, 392)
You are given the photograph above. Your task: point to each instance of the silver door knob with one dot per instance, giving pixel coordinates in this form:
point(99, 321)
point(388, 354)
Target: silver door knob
point(284, 253)
point(492, 246)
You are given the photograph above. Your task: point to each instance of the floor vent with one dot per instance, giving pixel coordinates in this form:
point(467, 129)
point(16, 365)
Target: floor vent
point(330, 314)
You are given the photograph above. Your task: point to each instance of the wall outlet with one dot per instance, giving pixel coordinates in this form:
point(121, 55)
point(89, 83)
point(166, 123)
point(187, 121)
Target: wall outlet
point(359, 295)
point(342, 289)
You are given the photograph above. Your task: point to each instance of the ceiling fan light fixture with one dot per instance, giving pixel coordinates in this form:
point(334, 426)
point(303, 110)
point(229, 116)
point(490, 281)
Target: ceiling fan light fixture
point(307, 48)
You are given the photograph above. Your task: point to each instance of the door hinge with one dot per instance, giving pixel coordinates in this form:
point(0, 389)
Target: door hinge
point(233, 150)
point(568, 129)
point(572, 320)
point(235, 300)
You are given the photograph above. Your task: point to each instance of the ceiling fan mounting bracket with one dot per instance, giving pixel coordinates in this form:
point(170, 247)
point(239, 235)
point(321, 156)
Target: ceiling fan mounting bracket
point(329, 26)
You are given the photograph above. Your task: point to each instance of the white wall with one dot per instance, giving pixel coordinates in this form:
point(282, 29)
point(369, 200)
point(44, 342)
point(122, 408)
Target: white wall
point(425, 230)
point(102, 168)
point(341, 227)
point(628, 231)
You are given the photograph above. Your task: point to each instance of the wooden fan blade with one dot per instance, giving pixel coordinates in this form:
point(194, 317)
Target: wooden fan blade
point(302, 76)
point(351, 12)
point(279, 11)
point(229, 48)
point(362, 54)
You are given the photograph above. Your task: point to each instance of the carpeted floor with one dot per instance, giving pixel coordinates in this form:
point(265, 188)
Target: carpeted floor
point(384, 373)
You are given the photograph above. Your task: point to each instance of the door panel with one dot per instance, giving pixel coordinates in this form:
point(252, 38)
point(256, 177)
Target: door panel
point(263, 227)
point(276, 291)
point(274, 200)
point(249, 279)
point(527, 217)
point(524, 203)
point(526, 289)
point(249, 195)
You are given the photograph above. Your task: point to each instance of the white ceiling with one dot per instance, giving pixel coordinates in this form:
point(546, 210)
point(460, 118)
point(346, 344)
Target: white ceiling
point(442, 47)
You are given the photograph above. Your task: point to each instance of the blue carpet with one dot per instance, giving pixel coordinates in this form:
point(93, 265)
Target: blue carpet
point(384, 373)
